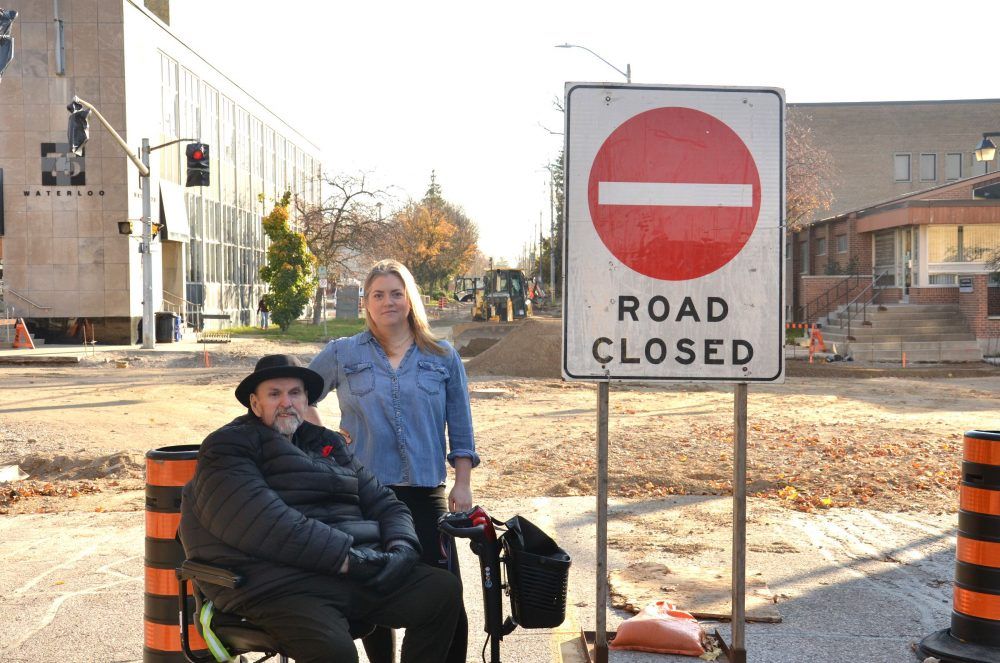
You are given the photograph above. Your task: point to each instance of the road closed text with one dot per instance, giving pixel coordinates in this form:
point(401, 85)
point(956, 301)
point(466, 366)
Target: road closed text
point(708, 349)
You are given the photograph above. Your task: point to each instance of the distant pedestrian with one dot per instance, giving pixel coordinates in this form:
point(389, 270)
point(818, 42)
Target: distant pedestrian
point(264, 311)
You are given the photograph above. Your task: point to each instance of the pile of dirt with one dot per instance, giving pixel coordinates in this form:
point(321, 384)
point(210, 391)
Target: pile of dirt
point(477, 346)
point(118, 465)
point(532, 350)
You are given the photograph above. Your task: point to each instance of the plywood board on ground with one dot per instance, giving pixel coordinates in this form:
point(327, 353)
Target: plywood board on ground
point(705, 593)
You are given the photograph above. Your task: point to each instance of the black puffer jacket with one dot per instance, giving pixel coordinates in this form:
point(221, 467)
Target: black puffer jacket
point(276, 510)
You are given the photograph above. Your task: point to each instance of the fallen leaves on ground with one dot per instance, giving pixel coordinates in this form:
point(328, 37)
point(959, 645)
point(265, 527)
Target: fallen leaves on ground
point(805, 467)
point(21, 490)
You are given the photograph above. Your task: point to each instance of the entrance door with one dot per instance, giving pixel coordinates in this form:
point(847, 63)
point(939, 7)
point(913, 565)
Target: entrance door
point(885, 258)
point(906, 262)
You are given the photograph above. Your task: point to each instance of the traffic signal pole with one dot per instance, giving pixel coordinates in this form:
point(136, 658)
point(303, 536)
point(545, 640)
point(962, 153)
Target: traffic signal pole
point(148, 321)
point(142, 163)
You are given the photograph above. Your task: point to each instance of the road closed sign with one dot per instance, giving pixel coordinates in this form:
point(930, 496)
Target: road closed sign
point(674, 237)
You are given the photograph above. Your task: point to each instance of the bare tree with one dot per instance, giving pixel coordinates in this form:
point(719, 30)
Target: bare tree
point(347, 225)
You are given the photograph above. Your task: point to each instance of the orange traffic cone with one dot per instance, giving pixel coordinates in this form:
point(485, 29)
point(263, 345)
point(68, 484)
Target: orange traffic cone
point(22, 339)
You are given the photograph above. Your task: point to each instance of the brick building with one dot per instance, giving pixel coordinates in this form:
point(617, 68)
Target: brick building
point(910, 202)
point(927, 247)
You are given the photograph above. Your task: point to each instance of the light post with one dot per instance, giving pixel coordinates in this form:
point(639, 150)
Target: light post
point(628, 68)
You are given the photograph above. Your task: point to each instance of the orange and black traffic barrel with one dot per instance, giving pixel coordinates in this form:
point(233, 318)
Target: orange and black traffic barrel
point(167, 470)
point(974, 635)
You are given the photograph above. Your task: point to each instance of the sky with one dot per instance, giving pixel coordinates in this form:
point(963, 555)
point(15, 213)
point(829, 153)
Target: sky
point(468, 89)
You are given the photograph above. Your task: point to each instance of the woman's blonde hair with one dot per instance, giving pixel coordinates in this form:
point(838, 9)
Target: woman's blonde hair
point(417, 318)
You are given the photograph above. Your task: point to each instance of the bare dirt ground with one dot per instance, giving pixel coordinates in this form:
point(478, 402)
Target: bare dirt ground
point(885, 443)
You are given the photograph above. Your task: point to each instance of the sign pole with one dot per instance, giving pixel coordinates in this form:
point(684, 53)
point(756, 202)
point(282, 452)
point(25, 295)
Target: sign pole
point(601, 630)
point(738, 650)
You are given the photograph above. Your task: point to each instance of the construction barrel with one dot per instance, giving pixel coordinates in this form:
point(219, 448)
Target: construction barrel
point(974, 635)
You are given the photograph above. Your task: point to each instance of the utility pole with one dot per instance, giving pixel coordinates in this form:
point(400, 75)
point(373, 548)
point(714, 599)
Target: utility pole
point(148, 319)
point(552, 239)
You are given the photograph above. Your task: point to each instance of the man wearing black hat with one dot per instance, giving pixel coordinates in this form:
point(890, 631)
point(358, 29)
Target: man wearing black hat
point(318, 539)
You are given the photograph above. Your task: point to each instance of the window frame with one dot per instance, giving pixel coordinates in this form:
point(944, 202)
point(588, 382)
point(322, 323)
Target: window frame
point(930, 157)
point(947, 157)
point(909, 166)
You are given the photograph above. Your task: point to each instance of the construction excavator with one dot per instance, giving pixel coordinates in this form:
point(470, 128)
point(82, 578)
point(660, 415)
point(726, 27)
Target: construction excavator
point(503, 296)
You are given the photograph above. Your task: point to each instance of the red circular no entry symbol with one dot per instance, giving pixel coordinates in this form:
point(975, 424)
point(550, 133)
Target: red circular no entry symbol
point(674, 193)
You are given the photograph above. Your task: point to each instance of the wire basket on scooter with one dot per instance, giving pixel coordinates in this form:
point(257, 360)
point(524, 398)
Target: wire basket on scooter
point(537, 574)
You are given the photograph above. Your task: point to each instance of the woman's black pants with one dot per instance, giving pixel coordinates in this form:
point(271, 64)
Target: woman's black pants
point(426, 505)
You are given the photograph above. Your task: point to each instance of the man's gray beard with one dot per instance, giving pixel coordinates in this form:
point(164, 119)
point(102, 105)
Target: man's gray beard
point(285, 426)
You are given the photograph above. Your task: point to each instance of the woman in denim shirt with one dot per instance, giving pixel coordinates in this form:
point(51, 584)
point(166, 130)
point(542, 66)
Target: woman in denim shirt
point(399, 389)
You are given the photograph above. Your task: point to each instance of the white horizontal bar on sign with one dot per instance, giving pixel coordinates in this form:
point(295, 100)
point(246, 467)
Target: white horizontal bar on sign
point(680, 194)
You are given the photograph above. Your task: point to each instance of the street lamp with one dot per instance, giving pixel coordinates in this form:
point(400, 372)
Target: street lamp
point(987, 149)
point(628, 68)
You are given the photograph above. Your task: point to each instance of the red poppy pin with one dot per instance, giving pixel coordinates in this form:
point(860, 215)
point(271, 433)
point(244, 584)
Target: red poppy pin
point(327, 450)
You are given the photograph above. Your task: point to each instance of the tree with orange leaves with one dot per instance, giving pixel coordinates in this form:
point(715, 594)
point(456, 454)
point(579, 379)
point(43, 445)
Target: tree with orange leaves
point(433, 238)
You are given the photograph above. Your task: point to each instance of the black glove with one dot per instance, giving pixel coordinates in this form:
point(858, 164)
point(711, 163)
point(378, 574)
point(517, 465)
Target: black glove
point(363, 564)
point(399, 560)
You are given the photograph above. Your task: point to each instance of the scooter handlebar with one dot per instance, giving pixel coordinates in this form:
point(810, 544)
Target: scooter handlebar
point(473, 524)
point(476, 532)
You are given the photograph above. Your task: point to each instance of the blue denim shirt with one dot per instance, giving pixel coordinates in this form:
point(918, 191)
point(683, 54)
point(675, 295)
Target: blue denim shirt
point(397, 418)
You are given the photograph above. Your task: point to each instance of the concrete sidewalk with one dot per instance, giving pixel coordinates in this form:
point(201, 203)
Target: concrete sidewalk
point(851, 585)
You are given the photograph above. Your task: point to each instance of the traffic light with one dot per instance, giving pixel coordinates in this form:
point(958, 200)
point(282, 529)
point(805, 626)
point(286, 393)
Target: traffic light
point(78, 130)
point(197, 165)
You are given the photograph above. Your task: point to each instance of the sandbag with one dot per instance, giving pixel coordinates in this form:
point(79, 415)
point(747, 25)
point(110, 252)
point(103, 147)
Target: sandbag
point(661, 628)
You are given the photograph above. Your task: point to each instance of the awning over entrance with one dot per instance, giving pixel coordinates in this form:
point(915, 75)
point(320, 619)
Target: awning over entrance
point(173, 214)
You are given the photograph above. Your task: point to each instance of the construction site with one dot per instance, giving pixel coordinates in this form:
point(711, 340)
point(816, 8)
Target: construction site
point(853, 482)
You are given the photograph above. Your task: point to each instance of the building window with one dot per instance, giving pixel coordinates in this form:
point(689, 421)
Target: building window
point(804, 257)
point(902, 167)
point(169, 120)
point(962, 243)
point(941, 279)
point(928, 167)
point(953, 166)
point(821, 246)
point(841, 243)
point(978, 167)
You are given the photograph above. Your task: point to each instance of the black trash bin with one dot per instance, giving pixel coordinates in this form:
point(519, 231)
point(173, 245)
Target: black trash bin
point(166, 323)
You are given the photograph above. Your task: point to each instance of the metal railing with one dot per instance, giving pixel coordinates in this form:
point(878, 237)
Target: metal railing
point(7, 312)
point(859, 305)
point(826, 301)
point(31, 304)
point(189, 311)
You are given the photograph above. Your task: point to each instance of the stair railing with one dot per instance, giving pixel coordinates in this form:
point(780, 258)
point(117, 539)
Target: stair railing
point(860, 304)
point(7, 312)
point(191, 312)
point(31, 304)
point(825, 302)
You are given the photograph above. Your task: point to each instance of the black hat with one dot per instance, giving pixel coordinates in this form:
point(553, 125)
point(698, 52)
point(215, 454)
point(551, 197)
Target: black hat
point(280, 366)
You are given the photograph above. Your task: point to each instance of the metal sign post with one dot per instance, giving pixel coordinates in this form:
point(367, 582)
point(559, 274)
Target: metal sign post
point(601, 636)
point(738, 650)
